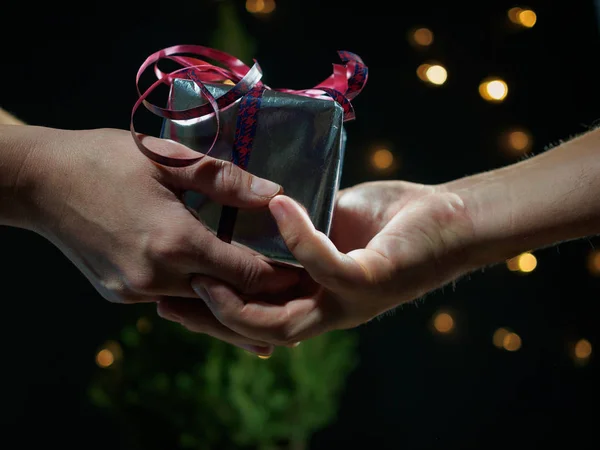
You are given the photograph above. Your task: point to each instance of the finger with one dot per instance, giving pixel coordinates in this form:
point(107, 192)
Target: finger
point(224, 183)
point(248, 273)
point(158, 283)
point(319, 256)
point(283, 323)
point(186, 247)
point(196, 317)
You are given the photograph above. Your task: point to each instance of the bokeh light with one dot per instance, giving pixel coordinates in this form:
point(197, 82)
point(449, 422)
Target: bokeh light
point(493, 89)
point(511, 342)
point(260, 6)
point(516, 142)
point(421, 37)
point(110, 353)
point(443, 322)
point(105, 358)
point(431, 73)
point(525, 262)
point(498, 337)
point(524, 17)
point(382, 159)
point(593, 263)
point(582, 350)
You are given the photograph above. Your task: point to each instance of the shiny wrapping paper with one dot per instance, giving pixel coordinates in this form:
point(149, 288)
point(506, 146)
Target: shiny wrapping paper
point(299, 144)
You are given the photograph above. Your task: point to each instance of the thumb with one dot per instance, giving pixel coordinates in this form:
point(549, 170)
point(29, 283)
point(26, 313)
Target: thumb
point(317, 254)
point(223, 182)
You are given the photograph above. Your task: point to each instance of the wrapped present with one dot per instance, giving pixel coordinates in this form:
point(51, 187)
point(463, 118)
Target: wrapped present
point(295, 138)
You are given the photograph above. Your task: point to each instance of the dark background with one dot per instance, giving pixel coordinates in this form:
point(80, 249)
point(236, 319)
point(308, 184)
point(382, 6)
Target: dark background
point(74, 67)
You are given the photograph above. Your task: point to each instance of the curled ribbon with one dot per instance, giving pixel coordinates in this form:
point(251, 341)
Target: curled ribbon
point(345, 83)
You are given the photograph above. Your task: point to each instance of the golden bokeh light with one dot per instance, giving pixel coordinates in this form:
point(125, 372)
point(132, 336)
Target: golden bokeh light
point(435, 74)
point(108, 354)
point(525, 262)
point(527, 18)
point(498, 337)
point(511, 342)
point(513, 264)
point(518, 141)
point(144, 325)
point(260, 6)
point(594, 262)
point(382, 159)
point(422, 37)
point(443, 322)
point(583, 349)
point(105, 358)
point(513, 14)
point(493, 89)
point(522, 16)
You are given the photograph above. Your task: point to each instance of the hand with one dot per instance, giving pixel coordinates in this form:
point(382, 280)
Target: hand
point(391, 242)
point(119, 217)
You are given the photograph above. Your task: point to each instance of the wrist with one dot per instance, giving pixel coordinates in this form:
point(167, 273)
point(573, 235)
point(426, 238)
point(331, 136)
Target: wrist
point(488, 203)
point(535, 203)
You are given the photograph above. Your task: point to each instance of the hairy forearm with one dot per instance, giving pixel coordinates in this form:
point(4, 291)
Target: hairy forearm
point(535, 203)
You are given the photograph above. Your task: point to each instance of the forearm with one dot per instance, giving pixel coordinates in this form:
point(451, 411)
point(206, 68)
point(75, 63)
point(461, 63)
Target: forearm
point(549, 198)
point(16, 148)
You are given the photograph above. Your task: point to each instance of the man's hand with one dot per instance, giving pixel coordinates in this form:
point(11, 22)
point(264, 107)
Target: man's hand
point(119, 217)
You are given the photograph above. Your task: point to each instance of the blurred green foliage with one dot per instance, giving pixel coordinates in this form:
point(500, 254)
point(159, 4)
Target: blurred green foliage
point(230, 34)
point(170, 388)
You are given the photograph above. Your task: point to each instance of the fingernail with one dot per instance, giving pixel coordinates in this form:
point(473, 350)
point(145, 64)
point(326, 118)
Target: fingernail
point(201, 291)
point(277, 210)
point(264, 188)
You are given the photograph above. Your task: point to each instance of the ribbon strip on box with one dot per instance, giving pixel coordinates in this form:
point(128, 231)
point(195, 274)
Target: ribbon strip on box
point(345, 83)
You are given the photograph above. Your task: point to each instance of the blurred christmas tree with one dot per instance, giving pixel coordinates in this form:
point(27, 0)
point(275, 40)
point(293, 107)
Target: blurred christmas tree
point(230, 34)
point(171, 388)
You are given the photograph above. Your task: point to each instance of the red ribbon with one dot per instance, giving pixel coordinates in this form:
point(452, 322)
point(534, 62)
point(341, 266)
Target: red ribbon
point(345, 83)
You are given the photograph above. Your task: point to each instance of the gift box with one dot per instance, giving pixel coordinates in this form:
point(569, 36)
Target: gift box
point(293, 138)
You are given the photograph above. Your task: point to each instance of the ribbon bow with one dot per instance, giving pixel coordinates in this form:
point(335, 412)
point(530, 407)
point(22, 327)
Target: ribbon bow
point(345, 83)
point(341, 86)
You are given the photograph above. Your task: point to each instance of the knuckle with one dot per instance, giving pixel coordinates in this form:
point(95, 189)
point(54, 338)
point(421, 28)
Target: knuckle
point(231, 176)
point(166, 246)
point(292, 240)
point(251, 279)
point(325, 279)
